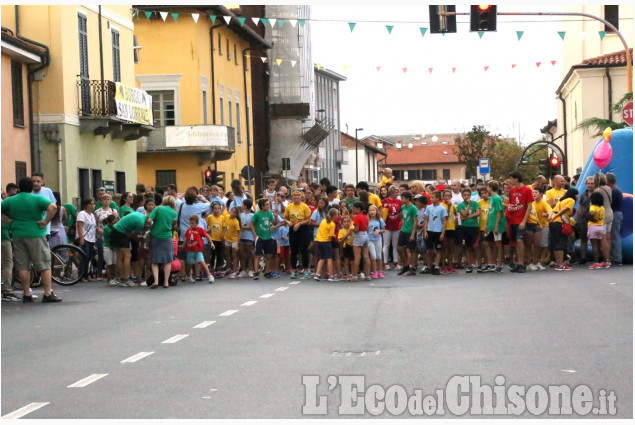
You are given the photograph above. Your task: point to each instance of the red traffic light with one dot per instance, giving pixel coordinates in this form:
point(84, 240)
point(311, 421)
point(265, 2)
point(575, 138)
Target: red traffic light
point(484, 7)
point(554, 161)
point(208, 174)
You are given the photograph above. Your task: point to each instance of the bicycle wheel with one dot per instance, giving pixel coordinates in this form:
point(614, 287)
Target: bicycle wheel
point(68, 264)
point(16, 284)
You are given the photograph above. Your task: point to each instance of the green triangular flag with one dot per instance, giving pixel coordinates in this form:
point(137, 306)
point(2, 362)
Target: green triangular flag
point(443, 34)
point(148, 14)
point(480, 34)
point(602, 34)
point(351, 25)
point(175, 16)
point(519, 34)
point(241, 20)
point(561, 34)
point(135, 13)
point(264, 21)
point(423, 31)
point(280, 23)
point(301, 22)
point(213, 18)
point(389, 28)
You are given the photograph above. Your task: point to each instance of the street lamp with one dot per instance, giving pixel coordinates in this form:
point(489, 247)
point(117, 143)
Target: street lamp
point(356, 155)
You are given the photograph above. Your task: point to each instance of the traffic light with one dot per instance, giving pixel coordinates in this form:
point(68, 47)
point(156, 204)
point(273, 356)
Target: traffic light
point(219, 178)
point(543, 165)
point(208, 176)
point(442, 23)
point(554, 165)
point(482, 17)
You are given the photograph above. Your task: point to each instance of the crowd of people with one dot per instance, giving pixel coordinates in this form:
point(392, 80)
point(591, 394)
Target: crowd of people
point(155, 238)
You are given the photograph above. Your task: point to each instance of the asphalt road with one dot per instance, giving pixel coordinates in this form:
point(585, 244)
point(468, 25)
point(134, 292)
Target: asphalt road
point(547, 328)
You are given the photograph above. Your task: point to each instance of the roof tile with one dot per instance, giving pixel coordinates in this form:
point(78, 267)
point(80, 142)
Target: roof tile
point(615, 58)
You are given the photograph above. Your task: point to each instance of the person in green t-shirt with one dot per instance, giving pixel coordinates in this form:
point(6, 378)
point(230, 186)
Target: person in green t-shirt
point(100, 194)
point(71, 220)
point(126, 204)
point(350, 199)
point(30, 247)
point(470, 211)
point(406, 244)
point(262, 224)
point(496, 227)
point(120, 241)
point(161, 245)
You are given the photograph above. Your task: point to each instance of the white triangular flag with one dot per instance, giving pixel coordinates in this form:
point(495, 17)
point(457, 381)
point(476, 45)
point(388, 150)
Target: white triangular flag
point(227, 19)
point(256, 20)
point(264, 59)
point(272, 21)
point(164, 15)
point(293, 22)
point(195, 16)
point(293, 63)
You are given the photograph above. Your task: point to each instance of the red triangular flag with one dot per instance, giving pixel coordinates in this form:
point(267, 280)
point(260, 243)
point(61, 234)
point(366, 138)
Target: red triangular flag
point(453, 70)
point(430, 69)
point(486, 68)
point(537, 64)
point(513, 65)
point(378, 68)
point(404, 70)
point(553, 62)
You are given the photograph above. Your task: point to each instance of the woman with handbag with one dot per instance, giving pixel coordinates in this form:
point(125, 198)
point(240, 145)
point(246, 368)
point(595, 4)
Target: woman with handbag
point(560, 228)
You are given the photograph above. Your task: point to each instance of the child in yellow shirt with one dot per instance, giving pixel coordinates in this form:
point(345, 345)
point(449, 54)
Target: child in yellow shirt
point(596, 232)
point(231, 228)
point(387, 178)
point(215, 223)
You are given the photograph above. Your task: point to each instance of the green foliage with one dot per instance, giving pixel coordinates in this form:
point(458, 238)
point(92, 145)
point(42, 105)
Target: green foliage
point(473, 146)
point(504, 155)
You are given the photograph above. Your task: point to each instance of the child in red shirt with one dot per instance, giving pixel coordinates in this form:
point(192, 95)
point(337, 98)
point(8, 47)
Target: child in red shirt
point(193, 245)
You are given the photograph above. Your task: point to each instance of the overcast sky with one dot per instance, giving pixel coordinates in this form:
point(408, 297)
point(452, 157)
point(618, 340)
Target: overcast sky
point(514, 102)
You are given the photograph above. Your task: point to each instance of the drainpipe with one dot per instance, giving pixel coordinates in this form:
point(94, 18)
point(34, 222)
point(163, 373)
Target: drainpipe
point(46, 59)
point(610, 89)
point(564, 132)
point(211, 43)
point(101, 66)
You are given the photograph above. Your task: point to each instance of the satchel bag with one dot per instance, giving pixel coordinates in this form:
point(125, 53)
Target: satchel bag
point(567, 229)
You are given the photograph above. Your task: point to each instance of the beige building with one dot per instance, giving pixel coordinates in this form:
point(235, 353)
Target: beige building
point(594, 76)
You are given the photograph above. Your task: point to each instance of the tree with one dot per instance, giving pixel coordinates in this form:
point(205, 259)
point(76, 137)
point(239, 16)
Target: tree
point(473, 146)
point(504, 155)
point(600, 124)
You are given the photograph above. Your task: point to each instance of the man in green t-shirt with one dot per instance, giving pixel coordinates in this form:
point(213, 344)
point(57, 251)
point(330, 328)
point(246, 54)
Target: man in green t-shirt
point(120, 242)
point(262, 223)
point(496, 228)
point(470, 211)
point(24, 213)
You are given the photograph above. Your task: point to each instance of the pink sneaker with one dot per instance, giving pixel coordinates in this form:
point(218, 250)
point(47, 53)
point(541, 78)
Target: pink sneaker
point(381, 275)
point(374, 275)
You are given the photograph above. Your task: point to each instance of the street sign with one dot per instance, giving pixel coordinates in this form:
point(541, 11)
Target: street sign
point(627, 113)
point(483, 166)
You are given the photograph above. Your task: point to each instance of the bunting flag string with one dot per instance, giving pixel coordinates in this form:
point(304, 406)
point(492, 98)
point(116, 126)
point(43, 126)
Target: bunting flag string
point(164, 15)
point(148, 14)
point(453, 70)
point(561, 34)
point(602, 34)
point(213, 18)
point(351, 25)
point(430, 70)
point(227, 19)
point(519, 34)
point(264, 21)
point(242, 21)
point(404, 70)
point(195, 17)
point(302, 22)
point(389, 28)
point(538, 64)
point(293, 64)
point(486, 68)
point(256, 21)
point(281, 23)
point(293, 22)
point(423, 31)
point(175, 16)
point(480, 34)
point(378, 68)
point(272, 22)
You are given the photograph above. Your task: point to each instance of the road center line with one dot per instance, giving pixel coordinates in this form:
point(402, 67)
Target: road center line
point(228, 313)
point(267, 295)
point(295, 282)
point(16, 414)
point(87, 381)
point(137, 356)
point(175, 338)
point(204, 324)
point(248, 303)
point(282, 288)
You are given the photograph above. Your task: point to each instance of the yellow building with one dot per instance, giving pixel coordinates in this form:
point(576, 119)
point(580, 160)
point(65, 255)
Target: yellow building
point(201, 90)
point(86, 111)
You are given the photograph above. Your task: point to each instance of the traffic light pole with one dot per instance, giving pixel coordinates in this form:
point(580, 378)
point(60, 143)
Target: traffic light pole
point(629, 63)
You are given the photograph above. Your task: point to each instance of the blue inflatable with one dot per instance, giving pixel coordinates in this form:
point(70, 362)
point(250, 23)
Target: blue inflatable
point(622, 166)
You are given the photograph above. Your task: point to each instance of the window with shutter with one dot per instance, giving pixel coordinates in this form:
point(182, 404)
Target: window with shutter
point(116, 57)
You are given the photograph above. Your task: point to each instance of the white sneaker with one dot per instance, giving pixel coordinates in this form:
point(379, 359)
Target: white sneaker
point(242, 274)
point(532, 267)
point(191, 279)
point(112, 282)
point(250, 273)
point(539, 266)
point(210, 278)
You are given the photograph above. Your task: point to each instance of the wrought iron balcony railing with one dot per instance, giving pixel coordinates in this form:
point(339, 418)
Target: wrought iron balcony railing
point(96, 98)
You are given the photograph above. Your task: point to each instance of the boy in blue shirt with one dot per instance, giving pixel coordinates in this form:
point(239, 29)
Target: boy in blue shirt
point(434, 231)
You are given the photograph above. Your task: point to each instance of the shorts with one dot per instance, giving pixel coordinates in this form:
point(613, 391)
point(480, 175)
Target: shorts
point(246, 241)
point(531, 227)
point(493, 237)
point(450, 234)
point(558, 240)
point(544, 237)
point(231, 244)
point(110, 257)
point(434, 241)
point(119, 240)
point(404, 240)
point(27, 251)
point(347, 253)
point(194, 257)
point(266, 247)
point(326, 250)
point(596, 232)
point(361, 239)
point(375, 250)
point(515, 233)
point(469, 236)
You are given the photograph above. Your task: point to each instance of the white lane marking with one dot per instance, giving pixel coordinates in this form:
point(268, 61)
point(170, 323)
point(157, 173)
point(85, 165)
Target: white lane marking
point(294, 282)
point(568, 370)
point(228, 313)
point(248, 303)
point(16, 414)
point(175, 338)
point(282, 288)
point(88, 380)
point(137, 356)
point(204, 324)
point(267, 295)
point(613, 283)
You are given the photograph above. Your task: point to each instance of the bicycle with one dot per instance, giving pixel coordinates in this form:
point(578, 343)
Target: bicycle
point(68, 266)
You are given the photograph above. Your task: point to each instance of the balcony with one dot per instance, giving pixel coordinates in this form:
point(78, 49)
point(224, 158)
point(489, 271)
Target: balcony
point(113, 108)
point(210, 142)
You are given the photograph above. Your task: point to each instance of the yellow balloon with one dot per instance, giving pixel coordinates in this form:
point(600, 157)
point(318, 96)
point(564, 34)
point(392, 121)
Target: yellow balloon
point(607, 134)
